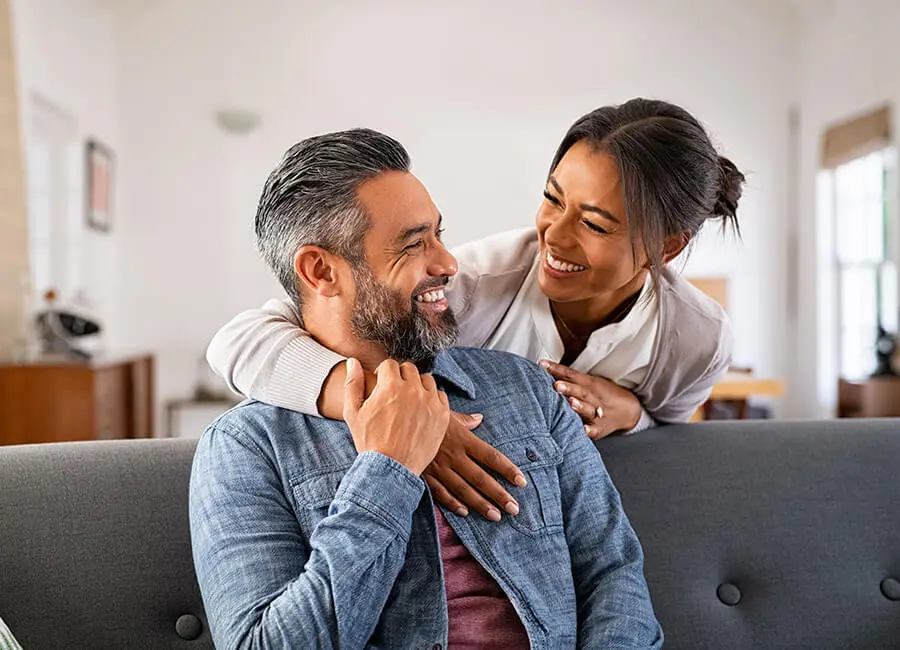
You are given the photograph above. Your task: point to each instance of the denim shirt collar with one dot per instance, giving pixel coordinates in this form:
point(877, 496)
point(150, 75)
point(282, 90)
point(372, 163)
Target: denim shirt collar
point(445, 369)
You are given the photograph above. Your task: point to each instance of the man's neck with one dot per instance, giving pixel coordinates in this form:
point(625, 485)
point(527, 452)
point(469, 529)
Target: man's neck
point(333, 331)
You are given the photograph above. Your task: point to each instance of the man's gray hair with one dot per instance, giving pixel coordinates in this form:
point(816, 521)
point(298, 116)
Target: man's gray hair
point(311, 198)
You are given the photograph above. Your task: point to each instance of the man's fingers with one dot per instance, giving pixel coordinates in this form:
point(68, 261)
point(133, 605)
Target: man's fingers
point(442, 495)
point(428, 383)
point(408, 371)
point(354, 389)
point(388, 370)
point(489, 457)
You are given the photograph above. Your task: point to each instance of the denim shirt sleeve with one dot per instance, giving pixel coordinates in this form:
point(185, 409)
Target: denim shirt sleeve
point(614, 608)
point(265, 582)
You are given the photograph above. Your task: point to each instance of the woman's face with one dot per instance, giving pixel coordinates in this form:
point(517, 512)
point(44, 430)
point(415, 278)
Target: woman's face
point(586, 250)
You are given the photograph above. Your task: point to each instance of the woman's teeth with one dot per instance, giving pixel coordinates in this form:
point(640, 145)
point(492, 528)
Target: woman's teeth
point(564, 267)
point(431, 296)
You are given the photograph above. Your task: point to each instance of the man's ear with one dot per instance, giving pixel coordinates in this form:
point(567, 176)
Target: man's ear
point(673, 246)
point(318, 271)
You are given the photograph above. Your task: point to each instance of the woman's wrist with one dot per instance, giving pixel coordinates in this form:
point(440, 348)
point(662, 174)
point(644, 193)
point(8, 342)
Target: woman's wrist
point(331, 398)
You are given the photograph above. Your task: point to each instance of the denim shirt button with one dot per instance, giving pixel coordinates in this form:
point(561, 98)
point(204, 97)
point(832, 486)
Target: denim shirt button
point(531, 455)
point(437, 646)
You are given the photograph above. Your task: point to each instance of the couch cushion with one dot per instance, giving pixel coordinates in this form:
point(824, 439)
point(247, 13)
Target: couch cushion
point(767, 534)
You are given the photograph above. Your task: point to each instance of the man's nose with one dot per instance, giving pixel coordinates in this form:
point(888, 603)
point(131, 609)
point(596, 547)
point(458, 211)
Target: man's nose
point(442, 262)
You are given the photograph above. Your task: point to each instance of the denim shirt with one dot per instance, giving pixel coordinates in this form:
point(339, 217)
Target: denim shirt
point(300, 542)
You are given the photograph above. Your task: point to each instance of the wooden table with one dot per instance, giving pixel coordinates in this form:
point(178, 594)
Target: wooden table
point(739, 387)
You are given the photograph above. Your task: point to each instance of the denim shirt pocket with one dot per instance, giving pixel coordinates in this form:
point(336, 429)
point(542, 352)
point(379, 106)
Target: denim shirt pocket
point(315, 490)
point(540, 505)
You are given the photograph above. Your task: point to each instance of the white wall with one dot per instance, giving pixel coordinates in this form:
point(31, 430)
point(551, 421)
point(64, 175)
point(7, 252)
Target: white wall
point(67, 56)
point(848, 64)
point(480, 93)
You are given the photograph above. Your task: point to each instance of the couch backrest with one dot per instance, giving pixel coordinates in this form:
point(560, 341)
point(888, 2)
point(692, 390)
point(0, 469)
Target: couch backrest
point(798, 523)
point(94, 546)
point(756, 535)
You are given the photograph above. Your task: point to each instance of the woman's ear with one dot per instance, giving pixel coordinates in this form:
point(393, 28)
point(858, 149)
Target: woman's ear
point(317, 271)
point(673, 245)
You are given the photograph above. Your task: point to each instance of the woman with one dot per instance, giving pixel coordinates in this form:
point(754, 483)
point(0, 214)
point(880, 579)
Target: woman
point(587, 294)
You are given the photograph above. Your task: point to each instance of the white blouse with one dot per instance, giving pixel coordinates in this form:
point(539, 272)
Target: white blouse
point(620, 352)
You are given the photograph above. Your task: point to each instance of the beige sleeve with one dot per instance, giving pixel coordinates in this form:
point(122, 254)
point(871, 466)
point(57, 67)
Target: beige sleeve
point(696, 390)
point(264, 354)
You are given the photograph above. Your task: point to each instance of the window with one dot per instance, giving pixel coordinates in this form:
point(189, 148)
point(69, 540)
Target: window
point(53, 226)
point(865, 275)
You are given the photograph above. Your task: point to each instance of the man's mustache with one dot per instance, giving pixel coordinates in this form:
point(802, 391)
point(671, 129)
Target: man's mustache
point(430, 284)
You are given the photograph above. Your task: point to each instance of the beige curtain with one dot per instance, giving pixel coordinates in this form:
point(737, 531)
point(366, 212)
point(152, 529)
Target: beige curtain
point(13, 216)
point(856, 137)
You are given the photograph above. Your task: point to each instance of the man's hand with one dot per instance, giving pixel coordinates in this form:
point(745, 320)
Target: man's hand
point(404, 417)
point(604, 407)
point(457, 475)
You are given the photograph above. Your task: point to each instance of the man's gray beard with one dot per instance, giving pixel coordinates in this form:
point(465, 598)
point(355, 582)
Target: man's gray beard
point(393, 322)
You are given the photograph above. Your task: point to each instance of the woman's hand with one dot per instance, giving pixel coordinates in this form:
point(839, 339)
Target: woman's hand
point(457, 475)
point(604, 406)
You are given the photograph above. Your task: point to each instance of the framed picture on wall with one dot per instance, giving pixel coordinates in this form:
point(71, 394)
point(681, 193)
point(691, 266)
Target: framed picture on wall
point(99, 162)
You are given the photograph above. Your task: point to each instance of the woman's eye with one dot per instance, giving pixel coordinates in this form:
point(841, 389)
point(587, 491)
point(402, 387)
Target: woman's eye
point(551, 198)
point(595, 227)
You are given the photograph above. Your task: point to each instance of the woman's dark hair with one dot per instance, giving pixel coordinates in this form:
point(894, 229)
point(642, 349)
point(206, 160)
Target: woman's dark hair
point(673, 179)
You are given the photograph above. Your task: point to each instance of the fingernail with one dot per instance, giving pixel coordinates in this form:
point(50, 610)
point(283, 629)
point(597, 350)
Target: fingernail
point(562, 387)
point(544, 364)
point(587, 430)
point(461, 512)
point(575, 402)
point(478, 417)
point(493, 515)
point(511, 507)
point(351, 363)
point(520, 481)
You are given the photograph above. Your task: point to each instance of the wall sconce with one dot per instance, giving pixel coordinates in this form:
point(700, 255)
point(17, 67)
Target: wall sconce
point(237, 121)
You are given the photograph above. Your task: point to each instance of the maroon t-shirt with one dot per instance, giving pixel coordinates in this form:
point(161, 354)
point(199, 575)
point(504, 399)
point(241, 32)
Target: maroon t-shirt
point(479, 612)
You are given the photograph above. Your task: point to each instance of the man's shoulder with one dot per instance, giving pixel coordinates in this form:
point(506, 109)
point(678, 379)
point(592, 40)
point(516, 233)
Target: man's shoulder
point(261, 424)
point(292, 441)
point(488, 367)
point(252, 413)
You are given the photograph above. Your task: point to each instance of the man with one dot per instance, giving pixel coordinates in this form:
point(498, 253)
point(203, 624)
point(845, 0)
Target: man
point(314, 533)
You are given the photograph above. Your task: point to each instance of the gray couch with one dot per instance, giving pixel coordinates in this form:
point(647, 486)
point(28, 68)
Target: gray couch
point(757, 535)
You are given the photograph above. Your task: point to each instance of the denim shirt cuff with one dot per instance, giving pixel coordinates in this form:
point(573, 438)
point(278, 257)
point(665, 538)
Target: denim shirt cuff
point(383, 487)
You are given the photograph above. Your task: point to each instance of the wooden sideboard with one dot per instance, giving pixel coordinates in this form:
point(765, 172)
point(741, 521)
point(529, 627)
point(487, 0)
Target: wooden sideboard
point(57, 402)
point(878, 397)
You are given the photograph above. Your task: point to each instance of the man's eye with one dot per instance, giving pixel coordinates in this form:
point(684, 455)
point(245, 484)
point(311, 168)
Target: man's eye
point(414, 246)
